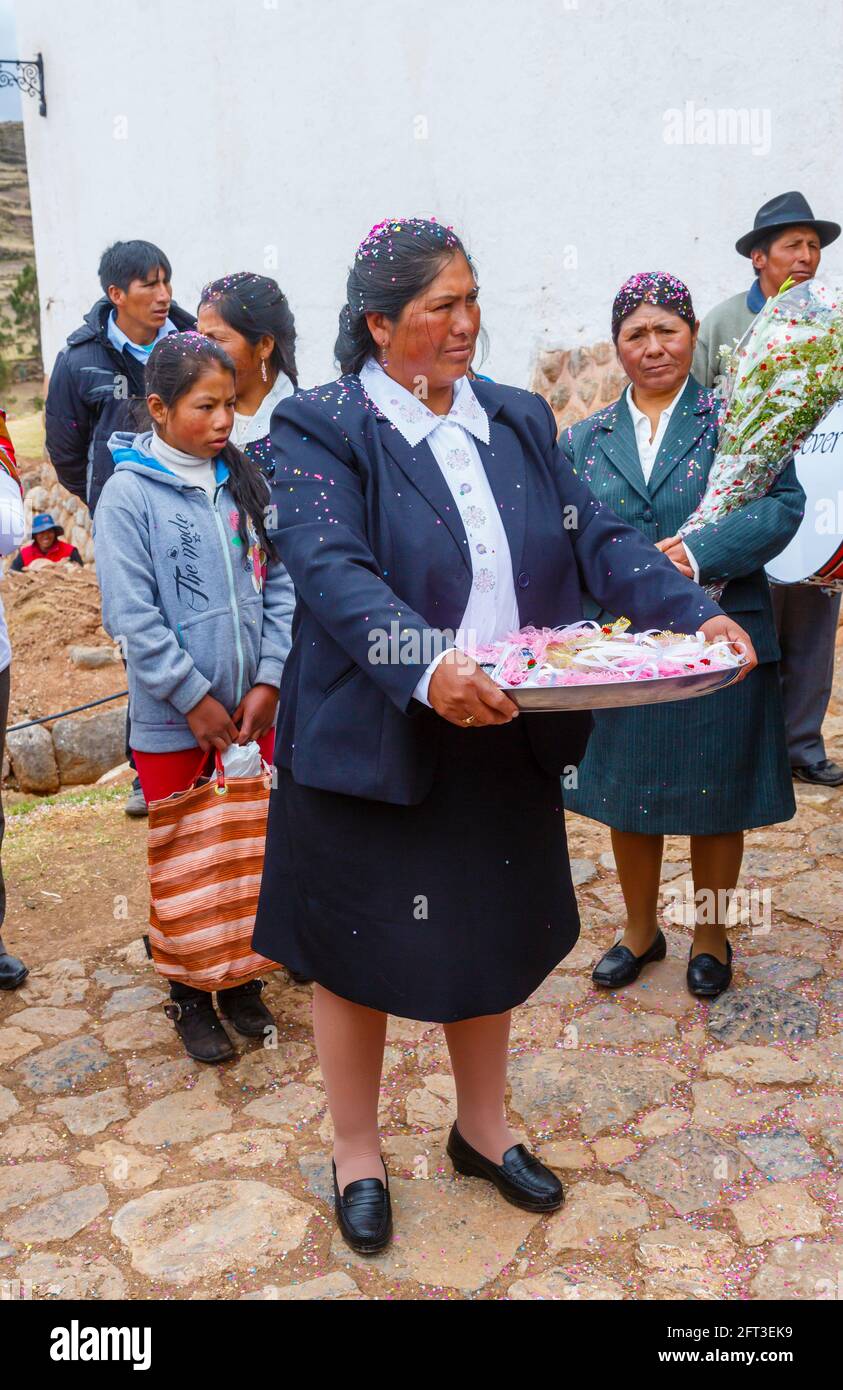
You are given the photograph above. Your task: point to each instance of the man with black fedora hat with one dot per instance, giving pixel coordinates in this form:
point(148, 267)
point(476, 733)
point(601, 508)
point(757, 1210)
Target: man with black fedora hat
point(786, 241)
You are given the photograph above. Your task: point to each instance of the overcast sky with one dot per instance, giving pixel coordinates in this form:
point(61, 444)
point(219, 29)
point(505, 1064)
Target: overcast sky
point(9, 96)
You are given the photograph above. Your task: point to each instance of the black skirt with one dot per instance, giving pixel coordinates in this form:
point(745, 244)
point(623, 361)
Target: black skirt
point(451, 909)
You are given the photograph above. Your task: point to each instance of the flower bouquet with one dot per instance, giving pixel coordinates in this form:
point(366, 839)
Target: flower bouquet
point(782, 377)
point(586, 666)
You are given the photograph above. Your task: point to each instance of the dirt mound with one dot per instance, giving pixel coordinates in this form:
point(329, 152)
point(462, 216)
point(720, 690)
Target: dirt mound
point(48, 611)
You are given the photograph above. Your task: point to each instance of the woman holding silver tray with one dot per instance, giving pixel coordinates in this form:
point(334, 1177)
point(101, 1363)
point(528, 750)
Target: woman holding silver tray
point(709, 768)
point(416, 860)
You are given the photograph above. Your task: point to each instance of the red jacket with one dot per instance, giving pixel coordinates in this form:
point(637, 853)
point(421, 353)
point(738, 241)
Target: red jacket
point(59, 550)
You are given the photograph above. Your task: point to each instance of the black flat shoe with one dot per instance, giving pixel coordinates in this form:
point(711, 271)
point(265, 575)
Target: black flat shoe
point(244, 1009)
point(707, 976)
point(824, 774)
point(364, 1213)
point(520, 1177)
point(620, 967)
point(13, 972)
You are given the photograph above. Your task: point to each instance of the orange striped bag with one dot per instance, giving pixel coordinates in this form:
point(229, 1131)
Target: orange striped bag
point(206, 848)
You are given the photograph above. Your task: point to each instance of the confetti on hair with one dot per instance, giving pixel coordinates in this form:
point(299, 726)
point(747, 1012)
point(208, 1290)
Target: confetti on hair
point(652, 287)
point(379, 239)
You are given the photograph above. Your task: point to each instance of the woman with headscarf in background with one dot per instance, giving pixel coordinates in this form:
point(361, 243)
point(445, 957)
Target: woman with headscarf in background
point(709, 768)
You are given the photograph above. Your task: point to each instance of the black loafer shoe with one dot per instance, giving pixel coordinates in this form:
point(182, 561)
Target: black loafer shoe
point(196, 1022)
point(824, 774)
point(13, 972)
point(620, 967)
point(707, 976)
point(244, 1010)
point(519, 1177)
point(364, 1213)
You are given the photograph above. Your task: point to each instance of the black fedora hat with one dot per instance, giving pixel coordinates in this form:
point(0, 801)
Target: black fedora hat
point(787, 210)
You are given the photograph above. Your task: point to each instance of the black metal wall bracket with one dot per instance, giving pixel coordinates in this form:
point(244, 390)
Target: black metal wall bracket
point(29, 77)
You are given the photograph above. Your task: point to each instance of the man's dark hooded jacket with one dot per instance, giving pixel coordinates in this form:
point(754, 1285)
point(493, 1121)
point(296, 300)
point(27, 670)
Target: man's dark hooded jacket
point(89, 397)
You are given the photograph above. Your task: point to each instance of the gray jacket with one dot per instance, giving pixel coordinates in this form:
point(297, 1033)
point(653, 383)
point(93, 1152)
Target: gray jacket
point(192, 607)
point(723, 326)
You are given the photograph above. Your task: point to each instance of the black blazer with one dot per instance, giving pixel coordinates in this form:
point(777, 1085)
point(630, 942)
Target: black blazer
point(367, 528)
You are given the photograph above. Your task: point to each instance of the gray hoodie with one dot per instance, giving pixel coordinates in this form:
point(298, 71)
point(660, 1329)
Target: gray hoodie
point(195, 611)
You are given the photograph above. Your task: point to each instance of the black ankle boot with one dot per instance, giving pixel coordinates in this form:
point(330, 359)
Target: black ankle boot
point(243, 1008)
point(200, 1030)
point(13, 972)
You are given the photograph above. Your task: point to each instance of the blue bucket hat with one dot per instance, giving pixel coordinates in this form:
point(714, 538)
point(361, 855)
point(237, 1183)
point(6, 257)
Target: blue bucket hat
point(45, 522)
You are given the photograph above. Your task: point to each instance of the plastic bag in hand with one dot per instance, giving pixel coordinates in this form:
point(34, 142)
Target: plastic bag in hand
point(242, 760)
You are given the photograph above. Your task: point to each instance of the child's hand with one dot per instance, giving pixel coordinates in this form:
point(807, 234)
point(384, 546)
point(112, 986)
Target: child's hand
point(211, 725)
point(256, 712)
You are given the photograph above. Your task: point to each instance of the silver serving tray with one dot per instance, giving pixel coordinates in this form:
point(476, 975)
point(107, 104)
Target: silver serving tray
point(617, 695)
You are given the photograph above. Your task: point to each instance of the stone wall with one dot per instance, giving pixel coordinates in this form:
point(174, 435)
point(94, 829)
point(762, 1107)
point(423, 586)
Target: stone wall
point(578, 381)
point(75, 751)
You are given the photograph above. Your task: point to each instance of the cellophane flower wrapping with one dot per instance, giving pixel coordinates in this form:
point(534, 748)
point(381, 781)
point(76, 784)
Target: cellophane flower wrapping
point(586, 653)
point(782, 377)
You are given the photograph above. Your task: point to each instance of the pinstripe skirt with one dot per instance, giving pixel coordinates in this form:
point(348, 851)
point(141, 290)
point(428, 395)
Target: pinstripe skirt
point(709, 766)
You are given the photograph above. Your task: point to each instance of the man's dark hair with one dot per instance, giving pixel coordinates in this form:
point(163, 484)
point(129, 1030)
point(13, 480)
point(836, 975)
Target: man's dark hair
point(126, 261)
point(764, 243)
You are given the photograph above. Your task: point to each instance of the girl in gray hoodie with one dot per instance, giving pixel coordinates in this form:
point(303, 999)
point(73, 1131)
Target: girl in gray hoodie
point(193, 589)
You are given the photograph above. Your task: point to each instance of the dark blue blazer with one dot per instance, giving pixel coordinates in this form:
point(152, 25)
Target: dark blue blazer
point(368, 530)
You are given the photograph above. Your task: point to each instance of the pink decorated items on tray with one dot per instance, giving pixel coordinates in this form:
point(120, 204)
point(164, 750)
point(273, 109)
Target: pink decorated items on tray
point(586, 666)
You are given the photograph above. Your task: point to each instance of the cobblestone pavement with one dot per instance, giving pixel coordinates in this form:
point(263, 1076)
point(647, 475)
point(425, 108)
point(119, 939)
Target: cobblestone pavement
point(700, 1144)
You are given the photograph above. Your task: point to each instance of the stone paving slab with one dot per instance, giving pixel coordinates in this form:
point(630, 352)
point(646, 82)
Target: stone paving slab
point(700, 1144)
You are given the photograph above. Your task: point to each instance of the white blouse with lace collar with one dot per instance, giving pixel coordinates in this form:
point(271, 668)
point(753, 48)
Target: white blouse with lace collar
point(492, 609)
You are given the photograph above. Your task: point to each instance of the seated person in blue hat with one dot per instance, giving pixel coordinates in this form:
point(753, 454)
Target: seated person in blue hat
point(44, 544)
